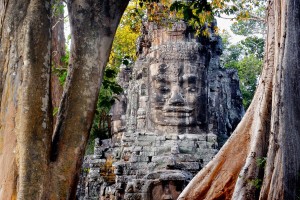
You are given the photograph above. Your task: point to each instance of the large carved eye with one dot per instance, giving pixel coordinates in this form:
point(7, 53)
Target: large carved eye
point(163, 89)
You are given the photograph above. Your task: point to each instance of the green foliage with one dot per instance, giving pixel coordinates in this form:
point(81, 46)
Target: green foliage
point(61, 71)
point(253, 45)
point(196, 13)
point(191, 10)
point(123, 48)
point(163, 12)
point(86, 170)
point(248, 27)
point(261, 162)
point(247, 57)
point(250, 17)
point(55, 111)
point(107, 96)
point(257, 183)
point(57, 8)
point(90, 145)
point(250, 14)
point(109, 90)
point(123, 52)
point(155, 10)
point(249, 71)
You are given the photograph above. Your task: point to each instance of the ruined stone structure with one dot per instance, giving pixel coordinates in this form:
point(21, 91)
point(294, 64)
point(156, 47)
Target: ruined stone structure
point(178, 108)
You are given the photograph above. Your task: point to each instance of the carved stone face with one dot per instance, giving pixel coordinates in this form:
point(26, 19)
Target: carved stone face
point(174, 93)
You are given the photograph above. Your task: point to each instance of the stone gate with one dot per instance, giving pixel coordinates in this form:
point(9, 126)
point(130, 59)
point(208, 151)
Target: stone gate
point(178, 108)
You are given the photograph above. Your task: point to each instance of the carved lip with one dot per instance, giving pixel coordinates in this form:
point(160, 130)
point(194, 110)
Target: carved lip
point(181, 109)
point(177, 111)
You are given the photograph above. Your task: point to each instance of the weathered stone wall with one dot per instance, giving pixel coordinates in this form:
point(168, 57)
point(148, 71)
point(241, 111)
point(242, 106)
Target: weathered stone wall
point(179, 106)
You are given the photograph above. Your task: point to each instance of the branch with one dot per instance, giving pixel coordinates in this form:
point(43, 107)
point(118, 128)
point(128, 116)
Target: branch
point(59, 20)
point(252, 16)
point(257, 18)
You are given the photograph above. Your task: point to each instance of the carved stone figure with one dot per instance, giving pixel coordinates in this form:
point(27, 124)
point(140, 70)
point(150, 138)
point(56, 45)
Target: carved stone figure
point(179, 106)
point(174, 95)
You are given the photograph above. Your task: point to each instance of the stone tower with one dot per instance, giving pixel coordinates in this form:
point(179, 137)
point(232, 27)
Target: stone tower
point(178, 108)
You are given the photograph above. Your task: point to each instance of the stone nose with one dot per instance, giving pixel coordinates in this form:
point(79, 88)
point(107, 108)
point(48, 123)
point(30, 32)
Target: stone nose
point(176, 98)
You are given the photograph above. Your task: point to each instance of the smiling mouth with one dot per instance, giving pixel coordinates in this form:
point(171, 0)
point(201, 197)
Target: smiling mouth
point(182, 109)
point(177, 111)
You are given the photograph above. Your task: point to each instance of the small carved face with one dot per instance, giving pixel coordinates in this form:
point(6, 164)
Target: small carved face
point(174, 94)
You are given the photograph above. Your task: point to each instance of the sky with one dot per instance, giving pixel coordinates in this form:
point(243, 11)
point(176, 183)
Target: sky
point(224, 24)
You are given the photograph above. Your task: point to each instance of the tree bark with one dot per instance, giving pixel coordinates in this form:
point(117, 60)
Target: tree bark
point(24, 65)
point(269, 130)
point(58, 52)
point(93, 25)
point(35, 162)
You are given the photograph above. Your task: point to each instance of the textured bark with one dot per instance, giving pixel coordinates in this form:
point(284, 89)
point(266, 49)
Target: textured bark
point(24, 65)
point(93, 25)
point(58, 49)
point(269, 129)
point(35, 162)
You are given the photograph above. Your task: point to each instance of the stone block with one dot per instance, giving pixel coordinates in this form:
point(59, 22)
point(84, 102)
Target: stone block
point(193, 137)
point(187, 149)
point(170, 143)
point(151, 138)
point(202, 144)
point(163, 149)
point(144, 132)
point(148, 148)
point(212, 145)
point(134, 158)
point(162, 159)
point(150, 153)
point(185, 158)
point(211, 137)
point(158, 143)
point(191, 165)
point(128, 149)
point(137, 148)
point(161, 138)
point(97, 161)
point(139, 165)
point(94, 173)
point(189, 143)
point(206, 154)
point(97, 156)
point(144, 143)
point(128, 139)
point(171, 136)
point(127, 144)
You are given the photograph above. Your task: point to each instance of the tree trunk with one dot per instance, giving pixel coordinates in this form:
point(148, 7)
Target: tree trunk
point(35, 162)
point(58, 52)
point(93, 25)
point(270, 130)
point(25, 71)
